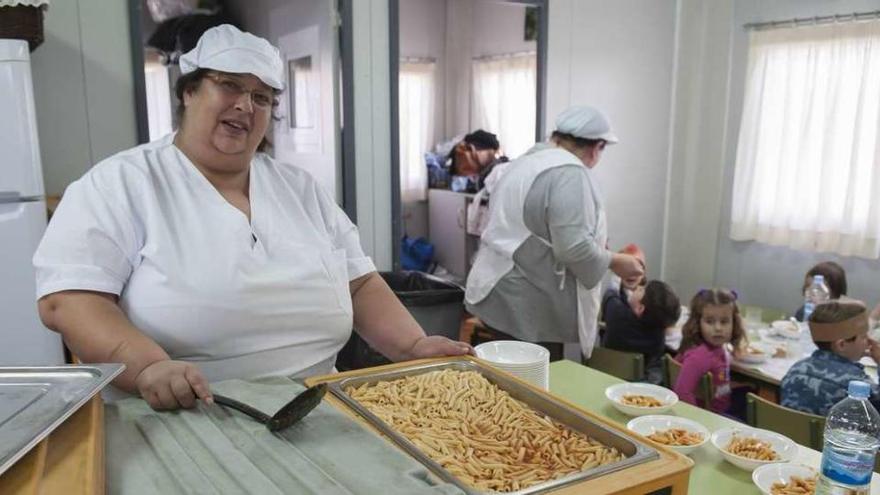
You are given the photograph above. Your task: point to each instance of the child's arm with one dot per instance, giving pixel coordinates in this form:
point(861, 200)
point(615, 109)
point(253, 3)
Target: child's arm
point(693, 368)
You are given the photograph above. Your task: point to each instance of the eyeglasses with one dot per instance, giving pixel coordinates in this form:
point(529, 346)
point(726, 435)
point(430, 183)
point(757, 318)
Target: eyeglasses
point(260, 98)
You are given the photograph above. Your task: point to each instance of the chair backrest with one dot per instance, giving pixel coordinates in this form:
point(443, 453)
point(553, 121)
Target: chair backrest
point(629, 366)
point(804, 428)
point(671, 370)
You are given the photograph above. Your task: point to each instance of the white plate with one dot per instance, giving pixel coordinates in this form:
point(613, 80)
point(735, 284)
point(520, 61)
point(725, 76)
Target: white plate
point(784, 446)
point(786, 329)
point(512, 353)
point(755, 358)
point(765, 476)
point(647, 425)
point(615, 393)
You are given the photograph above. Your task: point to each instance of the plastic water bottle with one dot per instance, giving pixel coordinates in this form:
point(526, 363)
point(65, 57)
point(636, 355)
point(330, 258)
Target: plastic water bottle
point(816, 294)
point(852, 435)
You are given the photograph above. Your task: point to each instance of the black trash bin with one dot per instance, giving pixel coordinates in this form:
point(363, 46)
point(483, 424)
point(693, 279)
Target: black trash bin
point(435, 303)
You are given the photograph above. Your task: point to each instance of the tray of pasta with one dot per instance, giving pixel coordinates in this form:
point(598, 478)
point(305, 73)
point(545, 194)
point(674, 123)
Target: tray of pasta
point(486, 431)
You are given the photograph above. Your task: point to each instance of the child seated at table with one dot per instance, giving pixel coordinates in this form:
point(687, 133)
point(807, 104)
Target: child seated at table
point(835, 279)
point(714, 322)
point(840, 331)
point(636, 321)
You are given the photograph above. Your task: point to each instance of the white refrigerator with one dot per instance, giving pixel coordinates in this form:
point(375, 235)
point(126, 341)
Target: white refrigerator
point(23, 338)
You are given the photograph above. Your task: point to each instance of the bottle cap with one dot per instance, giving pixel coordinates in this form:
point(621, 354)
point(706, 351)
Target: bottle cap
point(818, 279)
point(859, 389)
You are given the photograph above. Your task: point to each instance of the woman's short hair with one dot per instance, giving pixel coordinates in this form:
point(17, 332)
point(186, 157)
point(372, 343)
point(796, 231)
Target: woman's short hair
point(574, 141)
point(835, 278)
point(190, 82)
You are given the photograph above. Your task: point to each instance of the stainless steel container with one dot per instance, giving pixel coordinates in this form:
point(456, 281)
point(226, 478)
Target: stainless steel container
point(36, 400)
point(635, 451)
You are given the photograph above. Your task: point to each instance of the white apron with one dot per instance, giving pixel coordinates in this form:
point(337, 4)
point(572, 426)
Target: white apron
point(241, 299)
point(506, 232)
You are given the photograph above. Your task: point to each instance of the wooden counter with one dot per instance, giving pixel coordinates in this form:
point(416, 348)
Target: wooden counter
point(70, 460)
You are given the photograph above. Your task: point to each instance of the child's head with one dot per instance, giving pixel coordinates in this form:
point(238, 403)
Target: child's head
point(635, 250)
point(841, 327)
point(714, 320)
point(835, 278)
point(655, 304)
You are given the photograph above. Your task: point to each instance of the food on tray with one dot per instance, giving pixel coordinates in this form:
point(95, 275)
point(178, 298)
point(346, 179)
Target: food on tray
point(780, 352)
point(795, 486)
point(640, 400)
point(755, 351)
point(752, 448)
point(479, 433)
point(676, 436)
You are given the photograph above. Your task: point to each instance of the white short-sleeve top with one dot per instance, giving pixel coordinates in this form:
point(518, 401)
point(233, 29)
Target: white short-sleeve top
point(242, 299)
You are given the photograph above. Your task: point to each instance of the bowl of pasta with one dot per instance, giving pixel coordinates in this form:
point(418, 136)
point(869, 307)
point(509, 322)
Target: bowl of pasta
point(681, 434)
point(754, 353)
point(785, 479)
point(786, 329)
point(640, 399)
point(749, 448)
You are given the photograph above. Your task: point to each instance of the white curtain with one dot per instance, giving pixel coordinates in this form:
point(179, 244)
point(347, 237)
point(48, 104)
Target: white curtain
point(808, 158)
point(416, 93)
point(504, 100)
point(158, 93)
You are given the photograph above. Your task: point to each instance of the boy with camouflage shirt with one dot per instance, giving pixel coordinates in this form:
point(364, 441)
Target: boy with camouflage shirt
point(840, 331)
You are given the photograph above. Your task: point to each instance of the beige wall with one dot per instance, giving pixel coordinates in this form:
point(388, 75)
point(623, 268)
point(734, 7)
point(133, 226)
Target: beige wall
point(618, 56)
point(697, 144)
point(83, 88)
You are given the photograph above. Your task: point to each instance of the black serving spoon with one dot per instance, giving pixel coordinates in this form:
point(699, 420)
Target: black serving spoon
point(293, 411)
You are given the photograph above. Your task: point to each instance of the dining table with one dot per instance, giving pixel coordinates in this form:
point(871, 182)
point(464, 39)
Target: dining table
point(711, 474)
point(778, 353)
point(134, 463)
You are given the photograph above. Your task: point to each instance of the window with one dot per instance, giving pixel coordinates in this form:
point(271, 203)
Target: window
point(504, 100)
point(808, 159)
point(416, 88)
point(158, 94)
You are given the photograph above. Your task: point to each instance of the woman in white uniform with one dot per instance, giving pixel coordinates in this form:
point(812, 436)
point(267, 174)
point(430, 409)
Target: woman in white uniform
point(543, 252)
point(199, 258)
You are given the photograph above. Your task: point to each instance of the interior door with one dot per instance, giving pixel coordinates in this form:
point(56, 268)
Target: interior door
point(307, 135)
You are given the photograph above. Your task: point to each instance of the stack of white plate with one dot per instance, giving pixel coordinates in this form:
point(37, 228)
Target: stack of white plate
point(526, 361)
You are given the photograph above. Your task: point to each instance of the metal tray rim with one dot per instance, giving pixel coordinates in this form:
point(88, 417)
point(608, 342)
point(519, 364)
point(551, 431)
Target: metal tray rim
point(643, 452)
point(106, 372)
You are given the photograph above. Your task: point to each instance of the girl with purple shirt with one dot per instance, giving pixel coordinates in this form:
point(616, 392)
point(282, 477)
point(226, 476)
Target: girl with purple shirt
point(714, 322)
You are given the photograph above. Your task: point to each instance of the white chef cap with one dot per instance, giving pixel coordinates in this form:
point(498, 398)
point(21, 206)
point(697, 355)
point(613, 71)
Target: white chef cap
point(585, 122)
point(227, 49)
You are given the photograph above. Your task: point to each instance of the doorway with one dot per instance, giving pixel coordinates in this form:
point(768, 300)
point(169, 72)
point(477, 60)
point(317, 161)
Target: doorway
point(461, 70)
point(311, 35)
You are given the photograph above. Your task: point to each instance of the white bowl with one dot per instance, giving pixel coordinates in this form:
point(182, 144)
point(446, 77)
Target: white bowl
point(512, 354)
point(765, 476)
point(784, 446)
point(756, 353)
point(786, 329)
point(615, 393)
point(647, 425)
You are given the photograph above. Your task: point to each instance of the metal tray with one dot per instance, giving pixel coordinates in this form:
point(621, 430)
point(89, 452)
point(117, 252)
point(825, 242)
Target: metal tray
point(635, 451)
point(36, 400)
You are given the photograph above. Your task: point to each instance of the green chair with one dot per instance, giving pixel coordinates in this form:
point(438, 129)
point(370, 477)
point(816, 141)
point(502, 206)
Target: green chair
point(671, 370)
point(804, 428)
point(629, 366)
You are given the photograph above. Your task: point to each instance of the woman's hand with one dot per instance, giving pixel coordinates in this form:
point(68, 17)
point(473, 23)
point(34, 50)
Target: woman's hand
point(629, 268)
point(437, 346)
point(874, 350)
point(167, 385)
